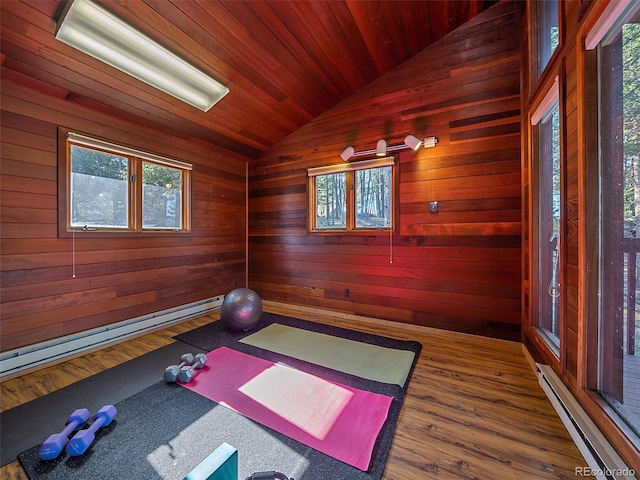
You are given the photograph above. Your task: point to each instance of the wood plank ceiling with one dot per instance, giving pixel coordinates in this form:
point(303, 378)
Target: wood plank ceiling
point(285, 62)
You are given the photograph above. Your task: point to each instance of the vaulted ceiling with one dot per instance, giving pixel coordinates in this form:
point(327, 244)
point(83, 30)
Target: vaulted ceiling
point(285, 62)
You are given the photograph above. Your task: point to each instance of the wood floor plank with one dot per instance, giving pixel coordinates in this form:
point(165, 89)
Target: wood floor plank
point(473, 409)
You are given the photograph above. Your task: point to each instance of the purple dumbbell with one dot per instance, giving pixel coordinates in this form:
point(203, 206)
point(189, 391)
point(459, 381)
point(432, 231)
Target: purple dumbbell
point(53, 446)
point(82, 440)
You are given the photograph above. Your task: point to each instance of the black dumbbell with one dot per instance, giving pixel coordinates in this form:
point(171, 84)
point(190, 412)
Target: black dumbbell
point(268, 476)
point(54, 445)
point(83, 439)
point(187, 373)
point(172, 371)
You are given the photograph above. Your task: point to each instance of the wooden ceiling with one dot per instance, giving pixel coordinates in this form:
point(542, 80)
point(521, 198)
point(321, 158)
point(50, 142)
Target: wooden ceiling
point(285, 62)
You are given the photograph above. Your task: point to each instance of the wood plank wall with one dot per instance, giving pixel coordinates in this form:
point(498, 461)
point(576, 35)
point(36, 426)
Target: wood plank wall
point(458, 269)
point(117, 277)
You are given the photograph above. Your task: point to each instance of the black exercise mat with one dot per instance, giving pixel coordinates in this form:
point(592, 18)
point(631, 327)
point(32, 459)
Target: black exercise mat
point(214, 335)
point(26, 425)
point(166, 430)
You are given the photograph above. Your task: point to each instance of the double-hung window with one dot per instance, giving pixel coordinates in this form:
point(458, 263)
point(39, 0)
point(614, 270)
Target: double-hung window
point(109, 187)
point(353, 197)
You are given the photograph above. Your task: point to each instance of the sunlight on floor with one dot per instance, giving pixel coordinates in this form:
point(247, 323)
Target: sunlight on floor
point(195, 442)
point(283, 389)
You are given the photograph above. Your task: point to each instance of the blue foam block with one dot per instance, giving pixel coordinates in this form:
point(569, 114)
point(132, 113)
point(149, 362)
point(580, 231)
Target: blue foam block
point(221, 464)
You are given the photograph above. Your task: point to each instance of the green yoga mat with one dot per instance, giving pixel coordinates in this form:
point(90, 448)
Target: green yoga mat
point(381, 364)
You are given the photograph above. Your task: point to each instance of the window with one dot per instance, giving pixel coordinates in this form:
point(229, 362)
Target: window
point(617, 44)
point(354, 196)
point(546, 123)
point(114, 188)
point(548, 33)
point(330, 192)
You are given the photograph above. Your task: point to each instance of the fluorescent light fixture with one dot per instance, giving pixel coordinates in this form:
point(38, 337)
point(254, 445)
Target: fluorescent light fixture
point(381, 148)
point(412, 142)
point(347, 153)
point(100, 34)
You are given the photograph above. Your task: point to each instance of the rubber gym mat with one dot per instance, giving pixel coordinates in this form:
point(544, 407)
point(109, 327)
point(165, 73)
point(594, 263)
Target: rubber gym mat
point(28, 424)
point(165, 430)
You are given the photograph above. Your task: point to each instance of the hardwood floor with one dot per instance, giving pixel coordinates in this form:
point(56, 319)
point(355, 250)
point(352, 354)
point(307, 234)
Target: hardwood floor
point(473, 410)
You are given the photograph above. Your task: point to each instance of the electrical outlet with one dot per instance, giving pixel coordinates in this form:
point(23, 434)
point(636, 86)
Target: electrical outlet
point(433, 207)
point(346, 292)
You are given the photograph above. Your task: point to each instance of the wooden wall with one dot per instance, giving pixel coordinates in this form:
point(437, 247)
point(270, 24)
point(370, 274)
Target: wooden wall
point(458, 269)
point(117, 277)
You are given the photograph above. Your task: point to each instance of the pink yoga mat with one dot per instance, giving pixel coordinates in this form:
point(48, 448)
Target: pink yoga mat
point(340, 421)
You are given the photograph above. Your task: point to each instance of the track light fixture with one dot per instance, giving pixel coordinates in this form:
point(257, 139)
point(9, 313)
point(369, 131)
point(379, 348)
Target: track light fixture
point(430, 142)
point(347, 153)
point(410, 142)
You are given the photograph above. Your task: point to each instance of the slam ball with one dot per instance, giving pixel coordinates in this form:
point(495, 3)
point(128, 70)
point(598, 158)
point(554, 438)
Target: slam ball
point(241, 310)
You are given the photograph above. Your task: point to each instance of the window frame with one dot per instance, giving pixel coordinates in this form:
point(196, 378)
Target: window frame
point(350, 170)
point(136, 158)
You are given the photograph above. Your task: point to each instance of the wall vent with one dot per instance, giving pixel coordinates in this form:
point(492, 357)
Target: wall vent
point(602, 459)
point(40, 354)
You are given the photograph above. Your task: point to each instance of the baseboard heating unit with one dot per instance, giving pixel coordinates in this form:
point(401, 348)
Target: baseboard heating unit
point(602, 459)
point(18, 360)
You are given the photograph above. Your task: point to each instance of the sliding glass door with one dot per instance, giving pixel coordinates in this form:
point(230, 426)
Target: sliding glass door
point(619, 312)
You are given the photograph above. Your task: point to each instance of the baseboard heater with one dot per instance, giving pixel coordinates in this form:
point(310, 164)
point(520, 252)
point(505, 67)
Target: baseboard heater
point(602, 459)
point(40, 354)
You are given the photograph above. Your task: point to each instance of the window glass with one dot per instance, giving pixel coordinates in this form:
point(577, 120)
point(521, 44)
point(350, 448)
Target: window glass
point(619, 312)
point(373, 198)
point(161, 197)
point(548, 32)
point(99, 188)
point(550, 235)
point(331, 201)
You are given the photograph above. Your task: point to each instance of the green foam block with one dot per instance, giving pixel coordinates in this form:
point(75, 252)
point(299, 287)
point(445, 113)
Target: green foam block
point(221, 464)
